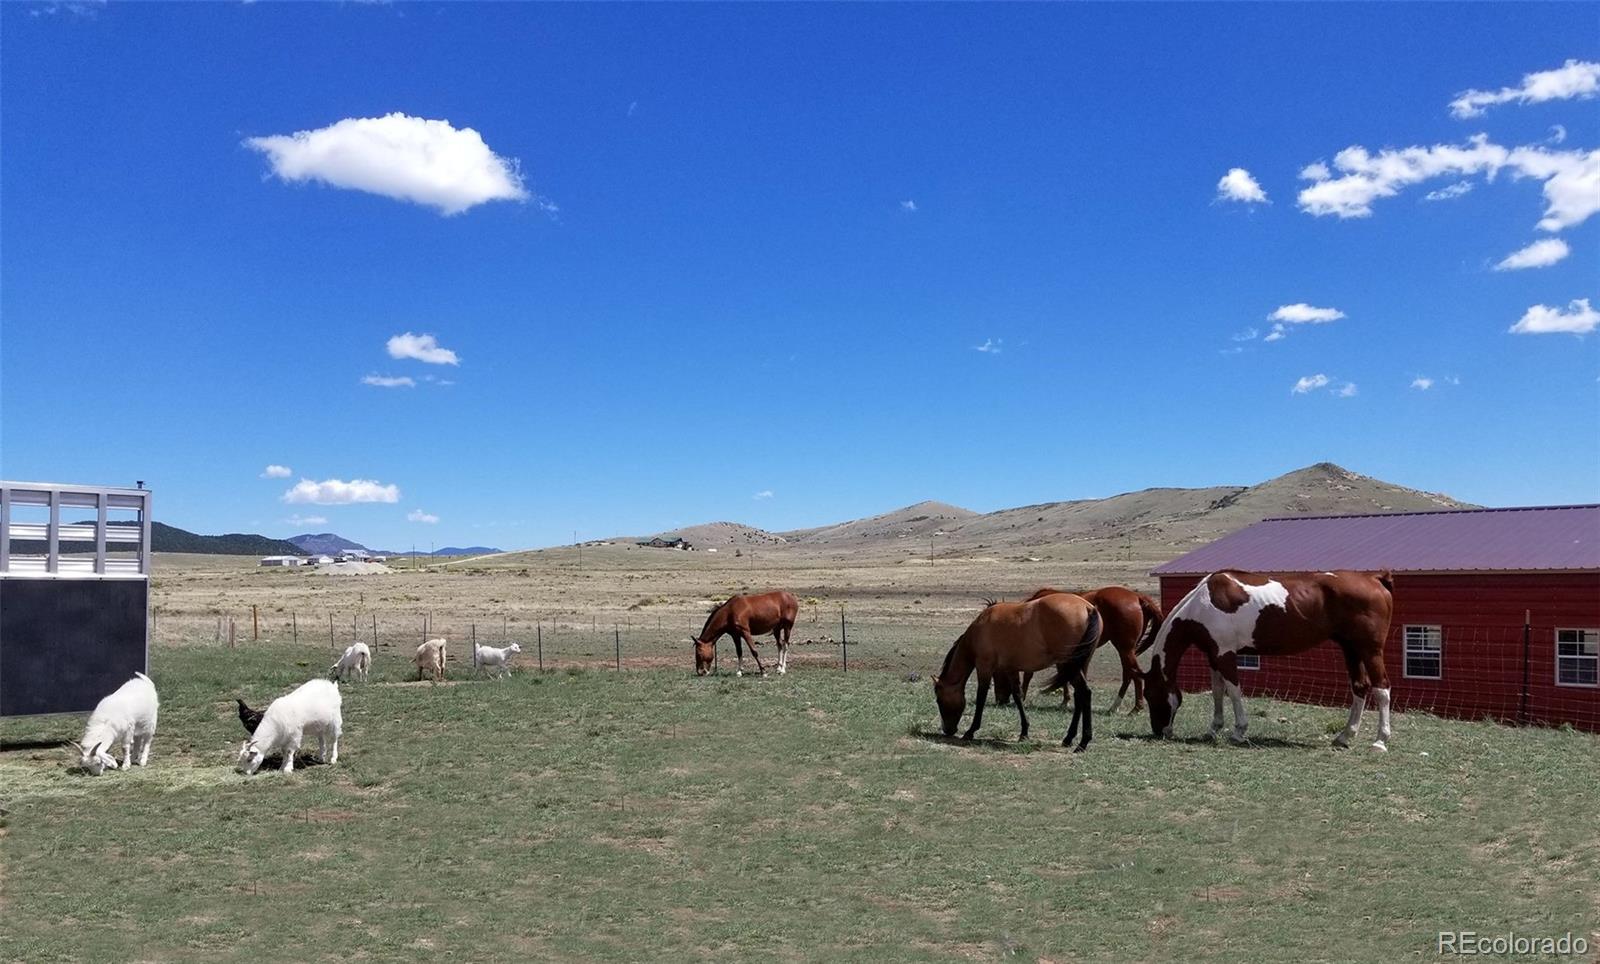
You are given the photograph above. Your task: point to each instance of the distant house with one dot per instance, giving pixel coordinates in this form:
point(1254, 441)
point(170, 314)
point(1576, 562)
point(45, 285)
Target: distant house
point(1496, 611)
point(355, 555)
point(320, 560)
point(659, 543)
point(282, 561)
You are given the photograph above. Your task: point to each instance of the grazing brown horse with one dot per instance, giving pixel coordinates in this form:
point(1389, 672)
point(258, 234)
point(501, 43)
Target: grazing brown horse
point(744, 618)
point(1130, 619)
point(1008, 638)
point(1230, 612)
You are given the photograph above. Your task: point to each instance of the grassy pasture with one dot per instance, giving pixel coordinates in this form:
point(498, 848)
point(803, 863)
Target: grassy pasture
point(585, 813)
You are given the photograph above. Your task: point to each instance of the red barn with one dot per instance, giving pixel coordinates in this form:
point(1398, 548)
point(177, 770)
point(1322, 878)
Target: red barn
point(1496, 611)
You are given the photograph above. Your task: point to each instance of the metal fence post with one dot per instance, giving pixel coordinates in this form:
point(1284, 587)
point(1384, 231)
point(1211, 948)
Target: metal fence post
point(539, 631)
point(617, 635)
point(330, 631)
point(844, 641)
point(1527, 633)
point(294, 627)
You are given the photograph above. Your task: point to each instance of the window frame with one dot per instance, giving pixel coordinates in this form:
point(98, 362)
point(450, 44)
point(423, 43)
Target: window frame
point(1253, 665)
point(1406, 650)
point(1593, 640)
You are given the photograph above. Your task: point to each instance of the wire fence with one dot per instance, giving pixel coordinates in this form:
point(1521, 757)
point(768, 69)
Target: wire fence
point(1526, 673)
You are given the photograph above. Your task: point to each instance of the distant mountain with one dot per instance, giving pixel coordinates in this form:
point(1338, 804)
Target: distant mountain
point(325, 544)
point(446, 551)
point(1150, 522)
point(165, 538)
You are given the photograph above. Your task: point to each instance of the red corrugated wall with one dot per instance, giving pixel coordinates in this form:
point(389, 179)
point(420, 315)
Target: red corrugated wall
point(1481, 616)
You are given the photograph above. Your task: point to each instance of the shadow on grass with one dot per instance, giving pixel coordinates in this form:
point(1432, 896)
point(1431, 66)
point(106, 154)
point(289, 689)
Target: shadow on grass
point(18, 746)
point(993, 743)
point(1254, 743)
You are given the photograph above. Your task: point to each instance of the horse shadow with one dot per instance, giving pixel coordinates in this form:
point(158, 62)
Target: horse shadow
point(1029, 744)
point(1251, 743)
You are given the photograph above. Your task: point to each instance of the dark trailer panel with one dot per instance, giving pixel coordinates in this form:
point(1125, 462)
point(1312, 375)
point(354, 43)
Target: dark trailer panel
point(74, 595)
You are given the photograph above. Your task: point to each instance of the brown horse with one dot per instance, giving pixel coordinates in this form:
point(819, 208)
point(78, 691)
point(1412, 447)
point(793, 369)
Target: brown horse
point(744, 618)
point(1230, 612)
point(1130, 619)
point(1009, 638)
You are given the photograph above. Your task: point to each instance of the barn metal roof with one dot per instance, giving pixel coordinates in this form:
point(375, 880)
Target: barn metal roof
point(1534, 538)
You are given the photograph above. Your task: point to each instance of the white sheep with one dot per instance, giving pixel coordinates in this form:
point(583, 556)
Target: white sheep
point(430, 659)
point(356, 661)
point(497, 659)
point(313, 708)
point(128, 717)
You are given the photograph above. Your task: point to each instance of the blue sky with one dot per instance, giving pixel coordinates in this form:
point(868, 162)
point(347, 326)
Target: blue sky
point(735, 262)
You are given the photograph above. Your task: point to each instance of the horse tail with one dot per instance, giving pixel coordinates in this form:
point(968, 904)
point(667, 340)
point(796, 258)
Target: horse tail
point(1079, 657)
point(1153, 618)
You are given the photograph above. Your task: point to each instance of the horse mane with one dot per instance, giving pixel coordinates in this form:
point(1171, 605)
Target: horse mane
point(989, 601)
point(951, 655)
point(716, 609)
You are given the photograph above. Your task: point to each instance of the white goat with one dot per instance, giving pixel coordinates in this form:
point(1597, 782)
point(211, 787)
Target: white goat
point(313, 708)
point(357, 659)
point(497, 659)
point(128, 717)
point(430, 659)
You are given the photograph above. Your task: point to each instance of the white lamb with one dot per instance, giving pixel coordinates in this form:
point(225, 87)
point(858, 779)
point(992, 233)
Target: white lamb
point(430, 659)
point(496, 659)
point(128, 717)
point(357, 659)
point(314, 708)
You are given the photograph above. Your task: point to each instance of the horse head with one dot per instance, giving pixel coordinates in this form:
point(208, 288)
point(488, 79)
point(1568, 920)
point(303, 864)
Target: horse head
point(1162, 700)
point(705, 655)
point(952, 699)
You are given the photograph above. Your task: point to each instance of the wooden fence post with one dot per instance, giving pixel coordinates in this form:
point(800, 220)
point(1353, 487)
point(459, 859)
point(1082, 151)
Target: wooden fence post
point(844, 640)
point(330, 630)
point(294, 627)
point(539, 629)
point(616, 634)
point(255, 623)
point(230, 632)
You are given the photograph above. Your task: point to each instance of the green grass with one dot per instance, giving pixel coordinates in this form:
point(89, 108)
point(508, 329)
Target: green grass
point(651, 814)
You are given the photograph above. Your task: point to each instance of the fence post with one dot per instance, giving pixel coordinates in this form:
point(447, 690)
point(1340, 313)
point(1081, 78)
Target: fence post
point(374, 630)
point(1527, 633)
point(844, 641)
point(539, 631)
point(294, 627)
point(255, 623)
point(353, 635)
point(230, 632)
point(330, 631)
point(617, 635)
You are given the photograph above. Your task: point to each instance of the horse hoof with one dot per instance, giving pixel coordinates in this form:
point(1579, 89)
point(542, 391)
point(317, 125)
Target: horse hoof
point(1237, 739)
point(1380, 747)
point(1079, 749)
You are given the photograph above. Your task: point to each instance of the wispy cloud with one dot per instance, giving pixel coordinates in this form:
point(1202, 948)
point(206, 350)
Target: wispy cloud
point(909, 206)
point(87, 9)
point(307, 520)
point(1449, 191)
point(1422, 383)
point(1249, 334)
point(389, 381)
point(1574, 79)
point(1298, 313)
point(1239, 185)
point(1539, 254)
point(633, 105)
point(337, 492)
point(276, 471)
point(763, 494)
point(1577, 319)
point(426, 162)
point(990, 346)
point(423, 348)
point(1310, 383)
point(417, 515)
point(1571, 178)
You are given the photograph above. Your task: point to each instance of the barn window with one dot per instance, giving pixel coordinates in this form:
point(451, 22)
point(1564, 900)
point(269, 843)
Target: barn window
point(1425, 652)
point(1247, 660)
point(1578, 657)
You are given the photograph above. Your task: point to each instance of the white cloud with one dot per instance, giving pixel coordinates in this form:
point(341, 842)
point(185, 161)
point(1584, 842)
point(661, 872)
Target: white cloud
point(426, 162)
point(1539, 254)
point(1347, 390)
point(1301, 313)
point(389, 381)
point(1571, 178)
point(1248, 334)
point(763, 494)
point(1578, 319)
point(990, 346)
point(336, 492)
point(1558, 134)
point(1238, 185)
point(1449, 191)
point(1315, 171)
point(1278, 333)
point(424, 348)
point(417, 515)
point(909, 206)
point(276, 472)
point(307, 520)
point(1422, 383)
point(1309, 383)
point(1574, 79)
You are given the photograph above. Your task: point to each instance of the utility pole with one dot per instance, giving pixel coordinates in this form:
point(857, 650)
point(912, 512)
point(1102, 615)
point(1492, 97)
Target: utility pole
point(580, 548)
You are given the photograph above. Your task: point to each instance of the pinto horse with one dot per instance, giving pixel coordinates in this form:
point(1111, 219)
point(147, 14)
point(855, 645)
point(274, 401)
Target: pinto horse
point(1230, 612)
point(1008, 638)
point(1130, 619)
point(744, 618)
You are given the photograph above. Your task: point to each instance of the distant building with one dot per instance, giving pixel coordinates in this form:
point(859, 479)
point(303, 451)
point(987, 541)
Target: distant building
point(320, 560)
point(355, 555)
point(660, 543)
point(282, 561)
point(1496, 611)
